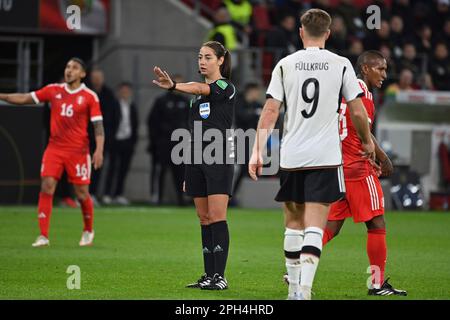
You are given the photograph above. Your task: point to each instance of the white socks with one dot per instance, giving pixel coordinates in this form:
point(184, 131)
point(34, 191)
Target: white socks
point(293, 240)
point(309, 258)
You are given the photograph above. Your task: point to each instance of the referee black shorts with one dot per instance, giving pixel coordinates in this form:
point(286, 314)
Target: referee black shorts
point(203, 180)
point(311, 185)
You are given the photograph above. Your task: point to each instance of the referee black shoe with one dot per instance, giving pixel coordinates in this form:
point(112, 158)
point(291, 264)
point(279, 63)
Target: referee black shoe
point(217, 283)
point(387, 290)
point(203, 281)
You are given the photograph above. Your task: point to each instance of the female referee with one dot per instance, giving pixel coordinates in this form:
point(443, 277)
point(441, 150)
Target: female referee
point(210, 184)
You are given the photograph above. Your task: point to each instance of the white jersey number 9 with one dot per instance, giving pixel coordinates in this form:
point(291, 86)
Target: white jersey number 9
point(307, 99)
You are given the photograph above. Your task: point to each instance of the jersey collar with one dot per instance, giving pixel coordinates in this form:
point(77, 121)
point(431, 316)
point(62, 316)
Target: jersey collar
point(363, 83)
point(313, 48)
point(74, 91)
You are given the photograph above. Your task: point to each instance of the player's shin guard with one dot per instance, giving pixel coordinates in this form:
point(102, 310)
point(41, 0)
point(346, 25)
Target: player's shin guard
point(377, 253)
point(221, 242)
point(207, 247)
point(45, 206)
point(87, 209)
point(293, 240)
point(309, 258)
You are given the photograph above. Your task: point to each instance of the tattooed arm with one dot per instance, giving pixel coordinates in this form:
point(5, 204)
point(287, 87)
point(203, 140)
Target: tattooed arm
point(99, 142)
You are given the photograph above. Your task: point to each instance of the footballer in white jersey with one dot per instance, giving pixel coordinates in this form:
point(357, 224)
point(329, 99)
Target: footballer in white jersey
point(311, 83)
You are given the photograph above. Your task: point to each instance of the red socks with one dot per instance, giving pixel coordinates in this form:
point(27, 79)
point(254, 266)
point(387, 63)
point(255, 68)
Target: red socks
point(87, 209)
point(327, 236)
point(45, 206)
point(377, 253)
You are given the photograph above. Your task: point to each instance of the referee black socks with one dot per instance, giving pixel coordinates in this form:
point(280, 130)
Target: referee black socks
point(221, 242)
point(207, 247)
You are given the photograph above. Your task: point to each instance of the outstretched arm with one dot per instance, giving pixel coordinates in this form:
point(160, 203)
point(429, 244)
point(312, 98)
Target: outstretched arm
point(99, 142)
point(164, 81)
point(17, 98)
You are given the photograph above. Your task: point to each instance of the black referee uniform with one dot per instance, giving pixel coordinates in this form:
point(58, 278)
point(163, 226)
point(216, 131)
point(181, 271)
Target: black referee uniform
point(215, 111)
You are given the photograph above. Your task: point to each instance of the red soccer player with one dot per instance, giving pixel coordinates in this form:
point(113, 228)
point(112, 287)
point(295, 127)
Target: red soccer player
point(73, 105)
point(364, 196)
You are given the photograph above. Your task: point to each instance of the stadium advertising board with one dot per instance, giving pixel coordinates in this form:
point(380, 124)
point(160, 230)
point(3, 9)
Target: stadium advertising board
point(19, 14)
point(88, 17)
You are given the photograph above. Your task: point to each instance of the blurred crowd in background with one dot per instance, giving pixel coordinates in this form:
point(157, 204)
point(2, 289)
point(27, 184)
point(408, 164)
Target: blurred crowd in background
point(414, 34)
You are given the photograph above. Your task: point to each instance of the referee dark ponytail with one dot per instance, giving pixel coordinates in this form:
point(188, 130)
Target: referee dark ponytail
point(225, 68)
point(220, 51)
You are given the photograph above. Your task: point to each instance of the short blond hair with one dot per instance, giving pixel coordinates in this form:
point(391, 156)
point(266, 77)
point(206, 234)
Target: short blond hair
point(316, 22)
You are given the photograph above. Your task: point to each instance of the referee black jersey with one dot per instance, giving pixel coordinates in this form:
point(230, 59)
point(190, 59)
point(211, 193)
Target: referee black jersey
point(215, 111)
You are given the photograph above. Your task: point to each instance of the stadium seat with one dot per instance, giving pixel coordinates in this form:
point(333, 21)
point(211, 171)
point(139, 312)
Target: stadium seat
point(261, 19)
point(439, 201)
point(444, 159)
point(210, 5)
point(262, 25)
point(267, 66)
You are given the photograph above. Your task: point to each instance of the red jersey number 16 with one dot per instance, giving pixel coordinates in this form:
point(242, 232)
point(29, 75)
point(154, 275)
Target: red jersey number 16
point(67, 110)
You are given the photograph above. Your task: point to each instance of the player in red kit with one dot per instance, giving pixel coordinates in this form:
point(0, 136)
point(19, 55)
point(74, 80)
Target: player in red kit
point(364, 196)
point(73, 105)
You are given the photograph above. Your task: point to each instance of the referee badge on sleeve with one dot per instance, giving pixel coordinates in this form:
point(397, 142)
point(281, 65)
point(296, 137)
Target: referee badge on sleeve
point(204, 110)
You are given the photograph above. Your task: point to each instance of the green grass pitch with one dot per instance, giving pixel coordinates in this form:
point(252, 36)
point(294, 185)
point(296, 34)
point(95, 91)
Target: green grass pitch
point(152, 253)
